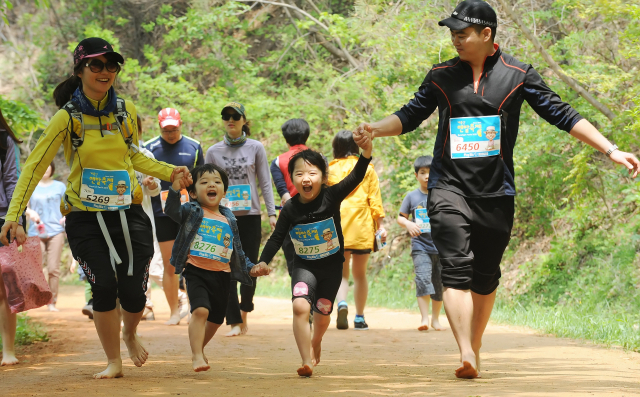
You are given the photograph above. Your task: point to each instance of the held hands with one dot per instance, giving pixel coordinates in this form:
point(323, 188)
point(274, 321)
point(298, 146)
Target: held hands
point(272, 222)
point(286, 197)
point(16, 232)
point(628, 160)
point(184, 180)
point(363, 137)
point(178, 182)
point(261, 269)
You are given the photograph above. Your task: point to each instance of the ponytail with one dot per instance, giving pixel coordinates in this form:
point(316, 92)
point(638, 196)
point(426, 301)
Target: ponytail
point(246, 128)
point(63, 92)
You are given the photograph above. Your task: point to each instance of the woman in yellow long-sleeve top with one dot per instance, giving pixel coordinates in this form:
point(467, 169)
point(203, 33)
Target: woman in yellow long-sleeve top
point(109, 234)
point(361, 216)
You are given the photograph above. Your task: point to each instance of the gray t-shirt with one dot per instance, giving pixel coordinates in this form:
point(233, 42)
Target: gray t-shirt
point(416, 202)
point(243, 164)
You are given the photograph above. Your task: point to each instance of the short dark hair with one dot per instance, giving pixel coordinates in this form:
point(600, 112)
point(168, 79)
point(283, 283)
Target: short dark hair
point(422, 162)
point(309, 156)
point(344, 145)
point(197, 172)
point(295, 131)
point(480, 28)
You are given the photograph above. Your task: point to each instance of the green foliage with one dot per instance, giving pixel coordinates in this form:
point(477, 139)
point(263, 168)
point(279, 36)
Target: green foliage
point(20, 116)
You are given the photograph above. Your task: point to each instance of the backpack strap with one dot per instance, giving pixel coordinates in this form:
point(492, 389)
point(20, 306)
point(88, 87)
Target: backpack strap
point(121, 118)
point(75, 113)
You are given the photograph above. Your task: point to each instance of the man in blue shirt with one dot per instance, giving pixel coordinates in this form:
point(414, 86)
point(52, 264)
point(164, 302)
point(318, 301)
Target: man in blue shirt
point(173, 148)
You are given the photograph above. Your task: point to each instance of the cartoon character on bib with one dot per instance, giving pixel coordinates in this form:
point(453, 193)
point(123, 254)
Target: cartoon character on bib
point(121, 188)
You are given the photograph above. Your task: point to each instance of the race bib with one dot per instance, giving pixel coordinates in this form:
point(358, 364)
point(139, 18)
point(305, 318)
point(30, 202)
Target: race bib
point(238, 198)
point(106, 190)
point(315, 240)
point(422, 220)
point(184, 197)
point(473, 137)
point(214, 240)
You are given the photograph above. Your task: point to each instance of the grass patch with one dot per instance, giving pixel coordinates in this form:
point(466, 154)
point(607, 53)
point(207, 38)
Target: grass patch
point(28, 331)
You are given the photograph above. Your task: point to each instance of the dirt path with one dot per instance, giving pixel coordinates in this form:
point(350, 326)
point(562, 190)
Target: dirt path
point(391, 359)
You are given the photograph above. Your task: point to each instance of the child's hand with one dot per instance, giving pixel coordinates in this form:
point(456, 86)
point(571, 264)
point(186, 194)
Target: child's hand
point(178, 182)
point(413, 229)
point(150, 183)
point(364, 139)
point(186, 175)
point(261, 269)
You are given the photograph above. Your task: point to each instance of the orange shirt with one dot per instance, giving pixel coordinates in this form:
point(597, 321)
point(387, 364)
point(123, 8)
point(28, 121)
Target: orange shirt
point(211, 264)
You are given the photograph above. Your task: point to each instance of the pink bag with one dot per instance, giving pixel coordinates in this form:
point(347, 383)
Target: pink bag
point(24, 281)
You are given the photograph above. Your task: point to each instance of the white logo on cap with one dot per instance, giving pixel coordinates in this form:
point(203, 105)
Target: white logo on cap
point(455, 13)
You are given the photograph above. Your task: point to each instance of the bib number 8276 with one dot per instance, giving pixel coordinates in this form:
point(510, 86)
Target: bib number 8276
point(204, 247)
point(467, 147)
point(98, 199)
point(308, 250)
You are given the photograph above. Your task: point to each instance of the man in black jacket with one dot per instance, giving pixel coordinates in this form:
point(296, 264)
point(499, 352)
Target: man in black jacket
point(479, 96)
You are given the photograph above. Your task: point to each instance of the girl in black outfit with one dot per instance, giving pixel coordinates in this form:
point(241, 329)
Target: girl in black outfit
point(312, 219)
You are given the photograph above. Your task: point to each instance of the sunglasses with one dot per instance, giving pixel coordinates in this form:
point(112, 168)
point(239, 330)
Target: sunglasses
point(97, 66)
point(235, 116)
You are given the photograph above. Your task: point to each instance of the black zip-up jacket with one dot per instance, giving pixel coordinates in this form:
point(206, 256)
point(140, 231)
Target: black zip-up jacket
point(504, 85)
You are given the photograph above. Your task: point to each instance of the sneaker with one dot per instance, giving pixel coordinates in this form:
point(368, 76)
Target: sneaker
point(343, 322)
point(360, 325)
point(87, 310)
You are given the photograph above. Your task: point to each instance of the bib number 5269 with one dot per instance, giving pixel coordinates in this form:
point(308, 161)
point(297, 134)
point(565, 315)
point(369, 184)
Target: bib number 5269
point(98, 199)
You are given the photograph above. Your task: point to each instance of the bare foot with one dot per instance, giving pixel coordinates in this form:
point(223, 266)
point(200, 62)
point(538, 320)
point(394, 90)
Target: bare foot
point(200, 364)
point(137, 352)
point(305, 370)
point(9, 359)
point(423, 327)
point(114, 370)
point(468, 369)
point(53, 308)
point(206, 360)
point(244, 328)
point(316, 350)
point(235, 330)
point(435, 324)
point(478, 362)
point(173, 320)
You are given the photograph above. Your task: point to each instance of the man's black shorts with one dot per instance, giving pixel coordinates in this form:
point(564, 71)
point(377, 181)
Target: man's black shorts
point(208, 289)
point(166, 229)
point(471, 235)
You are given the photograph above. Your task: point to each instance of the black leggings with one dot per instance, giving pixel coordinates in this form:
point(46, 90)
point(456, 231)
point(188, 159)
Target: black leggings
point(250, 230)
point(90, 249)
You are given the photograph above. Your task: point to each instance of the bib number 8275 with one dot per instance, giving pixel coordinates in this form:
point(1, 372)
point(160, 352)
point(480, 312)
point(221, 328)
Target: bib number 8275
point(467, 147)
point(308, 250)
point(204, 247)
point(98, 199)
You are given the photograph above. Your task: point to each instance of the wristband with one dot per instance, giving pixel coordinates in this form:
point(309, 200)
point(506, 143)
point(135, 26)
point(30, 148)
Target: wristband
point(612, 149)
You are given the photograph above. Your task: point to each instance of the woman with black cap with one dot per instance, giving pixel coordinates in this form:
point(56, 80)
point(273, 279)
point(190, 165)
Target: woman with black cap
point(245, 161)
point(109, 234)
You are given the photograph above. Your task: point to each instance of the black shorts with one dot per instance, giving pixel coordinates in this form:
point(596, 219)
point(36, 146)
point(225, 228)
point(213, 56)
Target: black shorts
point(90, 249)
point(318, 285)
point(166, 229)
point(208, 289)
point(471, 235)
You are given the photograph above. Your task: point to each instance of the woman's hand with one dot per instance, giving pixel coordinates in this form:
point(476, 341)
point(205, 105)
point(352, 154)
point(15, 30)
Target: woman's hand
point(16, 232)
point(272, 222)
point(261, 269)
point(178, 182)
point(383, 234)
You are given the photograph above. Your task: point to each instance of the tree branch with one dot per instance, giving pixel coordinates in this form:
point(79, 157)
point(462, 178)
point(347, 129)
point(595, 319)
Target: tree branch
point(602, 108)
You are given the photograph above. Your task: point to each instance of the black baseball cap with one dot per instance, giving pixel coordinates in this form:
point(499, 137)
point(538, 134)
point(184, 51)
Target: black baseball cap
point(93, 47)
point(471, 12)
